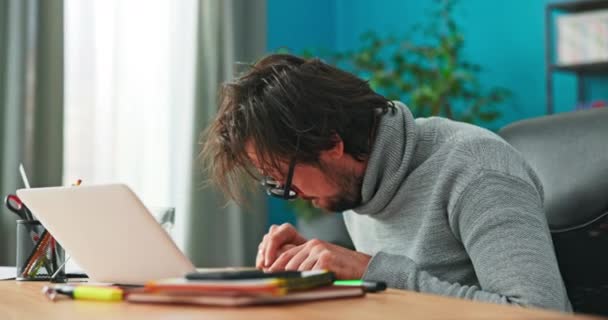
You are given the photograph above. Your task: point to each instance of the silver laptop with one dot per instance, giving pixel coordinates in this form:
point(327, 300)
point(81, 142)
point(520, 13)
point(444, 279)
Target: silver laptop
point(108, 231)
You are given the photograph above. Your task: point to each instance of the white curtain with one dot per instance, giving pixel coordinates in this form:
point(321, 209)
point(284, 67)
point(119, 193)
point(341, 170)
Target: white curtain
point(141, 82)
point(129, 97)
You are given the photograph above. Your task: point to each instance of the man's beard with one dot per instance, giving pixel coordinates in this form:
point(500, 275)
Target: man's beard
point(349, 186)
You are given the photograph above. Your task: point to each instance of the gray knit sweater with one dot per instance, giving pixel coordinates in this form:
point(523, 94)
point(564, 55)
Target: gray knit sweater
point(451, 209)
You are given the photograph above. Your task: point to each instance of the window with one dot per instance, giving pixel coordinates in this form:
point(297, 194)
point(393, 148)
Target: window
point(129, 72)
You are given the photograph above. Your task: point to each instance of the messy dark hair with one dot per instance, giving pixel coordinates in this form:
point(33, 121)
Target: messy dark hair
point(281, 99)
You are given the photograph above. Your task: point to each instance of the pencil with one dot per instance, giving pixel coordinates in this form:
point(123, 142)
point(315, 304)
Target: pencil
point(36, 253)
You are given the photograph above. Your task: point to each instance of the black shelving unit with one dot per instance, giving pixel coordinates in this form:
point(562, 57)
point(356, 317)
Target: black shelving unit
point(580, 70)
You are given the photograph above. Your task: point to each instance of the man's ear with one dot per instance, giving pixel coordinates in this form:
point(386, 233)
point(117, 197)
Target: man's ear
point(337, 151)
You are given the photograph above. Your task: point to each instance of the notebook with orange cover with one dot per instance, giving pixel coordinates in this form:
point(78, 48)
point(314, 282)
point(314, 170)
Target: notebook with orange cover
point(235, 300)
point(263, 286)
point(270, 286)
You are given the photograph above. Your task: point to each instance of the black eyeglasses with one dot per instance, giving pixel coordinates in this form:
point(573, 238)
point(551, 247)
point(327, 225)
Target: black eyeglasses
point(284, 191)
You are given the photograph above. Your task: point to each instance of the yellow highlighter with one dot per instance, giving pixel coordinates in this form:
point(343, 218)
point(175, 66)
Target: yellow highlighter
point(84, 292)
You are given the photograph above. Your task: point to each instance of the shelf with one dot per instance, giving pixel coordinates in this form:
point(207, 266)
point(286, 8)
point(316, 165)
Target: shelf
point(586, 68)
point(552, 10)
point(579, 5)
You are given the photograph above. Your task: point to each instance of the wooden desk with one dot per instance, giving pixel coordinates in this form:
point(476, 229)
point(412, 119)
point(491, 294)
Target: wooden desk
point(24, 300)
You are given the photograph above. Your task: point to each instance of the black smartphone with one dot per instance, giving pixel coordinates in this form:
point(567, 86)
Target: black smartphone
point(241, 275)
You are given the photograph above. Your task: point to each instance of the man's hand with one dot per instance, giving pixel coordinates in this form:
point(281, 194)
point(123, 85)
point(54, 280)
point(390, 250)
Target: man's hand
point(276, 241)
point(316, 254)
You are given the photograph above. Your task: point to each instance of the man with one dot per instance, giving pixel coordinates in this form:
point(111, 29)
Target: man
point(432, 205)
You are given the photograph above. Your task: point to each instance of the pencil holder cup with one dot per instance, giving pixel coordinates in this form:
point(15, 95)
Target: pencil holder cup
point(39, 256)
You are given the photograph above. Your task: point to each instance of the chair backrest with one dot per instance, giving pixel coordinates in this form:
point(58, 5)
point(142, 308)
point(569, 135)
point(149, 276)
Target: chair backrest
point(569, 152)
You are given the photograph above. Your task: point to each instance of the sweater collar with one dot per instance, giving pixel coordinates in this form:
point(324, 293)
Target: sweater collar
point(389, 161)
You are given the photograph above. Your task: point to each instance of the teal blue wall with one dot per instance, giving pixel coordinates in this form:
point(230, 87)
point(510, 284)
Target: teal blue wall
point(299, 25)
point(505, 37)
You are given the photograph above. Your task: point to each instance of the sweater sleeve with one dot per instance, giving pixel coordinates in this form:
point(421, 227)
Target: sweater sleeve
point(500, 221)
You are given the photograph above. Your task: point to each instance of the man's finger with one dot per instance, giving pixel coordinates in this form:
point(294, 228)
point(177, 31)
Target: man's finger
point(296, 260)
point(317, 250)
point(284, 258)
point(259, 262)
point(279, 252)
point(283, 235)
point(273, 228)
point(259, 259)
point(308, 263)
point(285, 248)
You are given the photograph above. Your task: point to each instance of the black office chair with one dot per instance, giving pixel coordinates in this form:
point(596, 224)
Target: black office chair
point(569, 152)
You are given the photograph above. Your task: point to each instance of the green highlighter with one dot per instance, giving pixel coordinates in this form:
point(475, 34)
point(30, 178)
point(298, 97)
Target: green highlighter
point(368, 286)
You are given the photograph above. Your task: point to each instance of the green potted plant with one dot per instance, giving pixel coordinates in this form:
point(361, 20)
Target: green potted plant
point(431, 75)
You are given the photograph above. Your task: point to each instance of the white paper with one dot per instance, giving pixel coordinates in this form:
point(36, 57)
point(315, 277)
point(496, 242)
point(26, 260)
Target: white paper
point(7, 273)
